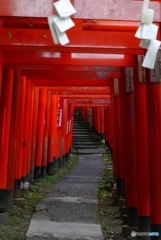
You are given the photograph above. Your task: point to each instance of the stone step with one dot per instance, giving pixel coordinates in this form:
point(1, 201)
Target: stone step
point(84, 139)
point(85, 147)
point(86, 143)
point(84, 134)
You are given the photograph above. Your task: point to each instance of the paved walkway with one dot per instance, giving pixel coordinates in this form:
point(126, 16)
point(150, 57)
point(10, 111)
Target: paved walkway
point(69, 210)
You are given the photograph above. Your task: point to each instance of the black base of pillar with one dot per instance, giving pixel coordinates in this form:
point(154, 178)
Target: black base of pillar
point(58, 161)
point(123, 186)
point(32, 175)
point(156, 228)
point(132, 216)
point(37, 172)
point(143, 226)
point(67, 157)
point(23, 179)
point(55, 164)
point(61, 161)
point(102, 135)
point(109, 147)
point(28, 177)
point(64, 159)
point(17, 188)
point(107, 144)
point(2, 200)
point(82, 118)
point(119, 187)
point(98, 136)
point(94, 130)
point(9, 197)
point(70, 149)
point(43, 171)
point(50, 166)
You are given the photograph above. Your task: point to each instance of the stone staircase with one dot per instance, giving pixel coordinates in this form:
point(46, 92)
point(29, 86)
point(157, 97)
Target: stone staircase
point(84, 139)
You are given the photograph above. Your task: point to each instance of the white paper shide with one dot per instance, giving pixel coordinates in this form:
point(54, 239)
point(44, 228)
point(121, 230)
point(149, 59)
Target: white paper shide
point(147, 32)
point(61, 22)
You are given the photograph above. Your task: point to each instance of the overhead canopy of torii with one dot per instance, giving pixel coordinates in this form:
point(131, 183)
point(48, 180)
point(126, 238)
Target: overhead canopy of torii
point(86, 9)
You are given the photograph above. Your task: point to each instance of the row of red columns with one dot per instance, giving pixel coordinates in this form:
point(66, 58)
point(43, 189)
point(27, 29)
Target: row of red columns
point(132, 131)
point(31, 142)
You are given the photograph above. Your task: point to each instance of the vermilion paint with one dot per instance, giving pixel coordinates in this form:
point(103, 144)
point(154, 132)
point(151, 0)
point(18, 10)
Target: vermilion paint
point(14, 133)
point(154, 150)
point(40, 131)
point(18, 172)
point(26, 128)
point(5, 113)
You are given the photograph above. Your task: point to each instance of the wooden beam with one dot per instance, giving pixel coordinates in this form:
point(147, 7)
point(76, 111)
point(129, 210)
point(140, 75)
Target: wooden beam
point(86, 9)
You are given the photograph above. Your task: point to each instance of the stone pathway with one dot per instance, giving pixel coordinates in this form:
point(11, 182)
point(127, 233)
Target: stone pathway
point(69, 210)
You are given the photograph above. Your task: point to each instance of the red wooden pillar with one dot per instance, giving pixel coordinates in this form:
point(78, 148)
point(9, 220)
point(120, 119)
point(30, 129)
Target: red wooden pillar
point(5, 117)
point(26, 129)
point(46, 132)
point(13, 151)
point(141, 141)
point(0, 74)
point(111, 126)
point(83, 113)
point(94, 119)
point(154, 147)
point(80, 112)
point(40, 133)
point(57, 147)
point(34, 128)
point(112, 133)
point(18, 171)
point(52, 134)
point(69, 135)
point(87, 115)
point(102, 129)
point(65, 131)
point(29, 168)
point(111, 111)
point(118, 139)
point(97, 122)
point(130, 154)
point(107, 122)
point(57, 138)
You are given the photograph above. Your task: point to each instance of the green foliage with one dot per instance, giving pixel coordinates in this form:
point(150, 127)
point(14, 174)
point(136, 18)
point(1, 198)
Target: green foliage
point(105, 187)
point(17, 224)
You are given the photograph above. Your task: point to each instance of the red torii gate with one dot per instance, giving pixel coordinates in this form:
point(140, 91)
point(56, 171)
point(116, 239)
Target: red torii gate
point(34, 49)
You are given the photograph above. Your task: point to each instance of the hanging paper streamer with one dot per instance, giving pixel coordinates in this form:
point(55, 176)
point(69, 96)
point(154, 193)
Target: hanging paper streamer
point(147, 32)
point(144, 43)
point(61, 22)
point(53, 30)
point(64, 8)
point(150, 57)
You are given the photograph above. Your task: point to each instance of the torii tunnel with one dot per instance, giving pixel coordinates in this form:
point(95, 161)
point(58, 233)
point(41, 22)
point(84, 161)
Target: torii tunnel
point(100, 68)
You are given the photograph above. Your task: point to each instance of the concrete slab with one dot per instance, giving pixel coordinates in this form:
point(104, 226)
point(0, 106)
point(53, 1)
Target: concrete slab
point(91, 151)
point(43, 228)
